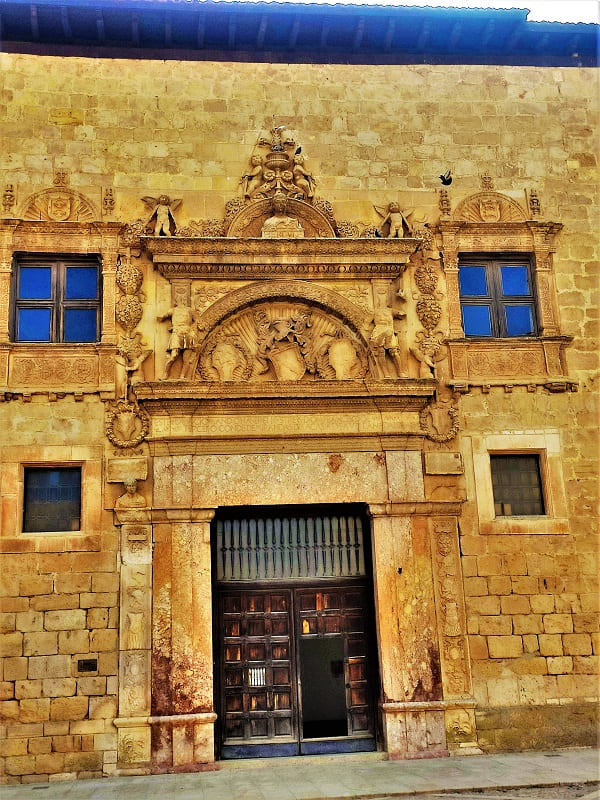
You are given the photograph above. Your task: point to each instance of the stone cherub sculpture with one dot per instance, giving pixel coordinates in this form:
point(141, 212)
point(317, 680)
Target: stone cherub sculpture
point(254, 178)
point(162, 208)
point(303, 179)
point(183, 339)
point(392, 216)
point(130, 359)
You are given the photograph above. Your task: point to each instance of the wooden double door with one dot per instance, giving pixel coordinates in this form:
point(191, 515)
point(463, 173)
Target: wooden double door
point(296, 669)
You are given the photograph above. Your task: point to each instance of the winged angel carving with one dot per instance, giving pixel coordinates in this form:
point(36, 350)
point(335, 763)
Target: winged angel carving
point(162, 208)
point(395, 223)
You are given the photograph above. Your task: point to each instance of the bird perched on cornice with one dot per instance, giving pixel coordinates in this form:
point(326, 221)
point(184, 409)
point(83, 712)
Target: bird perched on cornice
point(446, 178)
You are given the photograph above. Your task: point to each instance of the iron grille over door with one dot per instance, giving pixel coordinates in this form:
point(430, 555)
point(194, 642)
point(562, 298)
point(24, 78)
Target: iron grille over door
point(290, 547)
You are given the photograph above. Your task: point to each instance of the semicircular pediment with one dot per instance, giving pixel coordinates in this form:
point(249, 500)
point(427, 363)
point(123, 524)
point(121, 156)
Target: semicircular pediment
point(261, 291)
point(250, 220)
point(489, 206)
point(59, 204)
point(282, 331)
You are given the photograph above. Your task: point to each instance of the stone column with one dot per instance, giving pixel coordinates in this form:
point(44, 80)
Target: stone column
point(411, 699)
point(461, 731)
point(190, 726)
point(135, 641)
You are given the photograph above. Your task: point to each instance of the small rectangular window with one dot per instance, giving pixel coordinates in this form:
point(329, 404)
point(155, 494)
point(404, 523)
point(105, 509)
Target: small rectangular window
point(52, 499)
point(56, 299)
point(497, 297)
point(517, 485)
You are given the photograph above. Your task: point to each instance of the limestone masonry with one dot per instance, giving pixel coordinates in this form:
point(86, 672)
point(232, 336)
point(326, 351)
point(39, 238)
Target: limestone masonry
point(259, 328)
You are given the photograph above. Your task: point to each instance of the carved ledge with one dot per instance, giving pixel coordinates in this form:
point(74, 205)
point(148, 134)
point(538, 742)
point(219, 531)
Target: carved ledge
point(389, 390)
point(60, 368)
point(497, 361)
point(253, 258)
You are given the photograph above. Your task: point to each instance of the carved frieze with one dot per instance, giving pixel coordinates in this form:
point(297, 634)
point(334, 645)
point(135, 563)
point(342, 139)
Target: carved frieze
point(34, 370)
point(504, 363)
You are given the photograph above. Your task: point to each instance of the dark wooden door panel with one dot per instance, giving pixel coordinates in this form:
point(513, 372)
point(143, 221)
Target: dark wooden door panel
point(257, 677)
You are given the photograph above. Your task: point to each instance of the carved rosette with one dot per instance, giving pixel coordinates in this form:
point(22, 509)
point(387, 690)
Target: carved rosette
point(127, 424)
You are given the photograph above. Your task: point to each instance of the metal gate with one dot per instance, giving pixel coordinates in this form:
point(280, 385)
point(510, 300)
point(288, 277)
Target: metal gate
point(293, 632)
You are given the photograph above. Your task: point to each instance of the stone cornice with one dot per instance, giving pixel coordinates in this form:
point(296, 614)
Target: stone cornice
point(192, 397)
point(234, 258)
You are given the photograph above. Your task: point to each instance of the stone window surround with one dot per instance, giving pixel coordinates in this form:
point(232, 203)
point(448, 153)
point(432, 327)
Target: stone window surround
point(547, 445)
point(53, 456)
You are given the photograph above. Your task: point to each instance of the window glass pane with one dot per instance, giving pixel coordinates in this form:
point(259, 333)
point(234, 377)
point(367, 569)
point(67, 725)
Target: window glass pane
point(82, 283)
point(52, 500)
point(33, 324)
point(477, 320)
point(472, 281)
point(517, 485)
point(35, 283)
point(515, 281)
point(80, 325)
point(519, 320)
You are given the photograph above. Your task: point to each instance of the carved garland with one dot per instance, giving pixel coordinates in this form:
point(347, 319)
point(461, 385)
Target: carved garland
point(127, 424)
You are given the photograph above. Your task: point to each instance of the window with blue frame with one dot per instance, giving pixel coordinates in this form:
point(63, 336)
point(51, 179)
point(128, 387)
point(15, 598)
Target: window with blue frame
point(497, 297)
point(56, 299)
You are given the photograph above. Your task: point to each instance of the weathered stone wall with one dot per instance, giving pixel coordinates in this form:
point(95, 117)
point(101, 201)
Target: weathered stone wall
point(371, 135)
point(58, 604)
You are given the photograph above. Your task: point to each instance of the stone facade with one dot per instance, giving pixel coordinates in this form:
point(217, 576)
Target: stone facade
point(281, 324)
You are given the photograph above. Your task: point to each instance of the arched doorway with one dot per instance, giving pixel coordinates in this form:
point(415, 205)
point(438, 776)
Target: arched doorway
point(294, 633)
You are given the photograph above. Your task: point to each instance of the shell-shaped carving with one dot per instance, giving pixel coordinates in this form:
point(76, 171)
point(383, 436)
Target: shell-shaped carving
point(249, 220)
point(59, 204)
point(489, 207)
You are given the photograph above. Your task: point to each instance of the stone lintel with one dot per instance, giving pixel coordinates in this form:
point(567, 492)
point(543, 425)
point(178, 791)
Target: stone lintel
point(397, 707)
point(422, 508)
point(182, 514)
point(197, 445)
point(201, 718)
